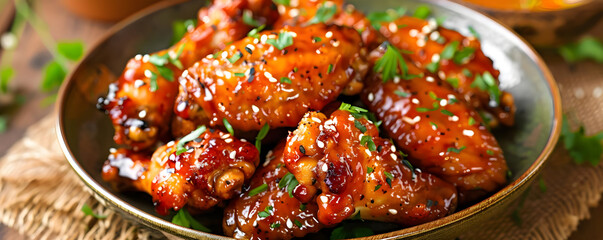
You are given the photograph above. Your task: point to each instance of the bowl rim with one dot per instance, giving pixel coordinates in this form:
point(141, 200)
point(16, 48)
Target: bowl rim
point(160, 224)
point(524, 11)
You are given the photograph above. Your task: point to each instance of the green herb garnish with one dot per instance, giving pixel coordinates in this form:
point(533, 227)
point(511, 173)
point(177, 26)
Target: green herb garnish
point(586, 48)
point(389, 63)
point(190, 137)
point(228, 126)
point(284, 40)
point(258, 189)
point(359, 125)
point(422, 12)
point(285, 80)
point(248, 19)
point(368, 142)
point(324, 13)
point(402, 94)
point(582, 148)
point(89, 212)
point(290, 182)
point(261, 135)
point(184, 218)
point(456, 150)
point(390, 15)
point(266, 212)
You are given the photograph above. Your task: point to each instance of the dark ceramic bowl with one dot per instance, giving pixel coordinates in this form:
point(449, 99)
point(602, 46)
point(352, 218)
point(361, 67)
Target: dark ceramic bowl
point(85, 133)
point(548, 28)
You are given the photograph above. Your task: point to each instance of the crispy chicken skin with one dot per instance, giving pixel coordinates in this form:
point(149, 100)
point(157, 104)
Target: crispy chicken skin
point(332, 155)
point(127, 170)
point(214, 169)
point(427, 41)
point(286, 220)
point(439, 131)
point(141, 116)
point(253, 83)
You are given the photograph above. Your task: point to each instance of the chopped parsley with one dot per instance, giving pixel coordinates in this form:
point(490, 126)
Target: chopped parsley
point(330, 70)
point(471, 121)
point(89, 212)
point(285, 80)
point(352, 109)
point(463, 56)
point(266, 213)
point(368, 142)
point(235, 57)
point(454, 82)
point(489, 152)
point(282, 2)
point(447, 113)
point(258, 189)
point(486, 82)
point(433, 125)
point(255, 33)
point(377, 187)
point(467, 73)
point(302, 207)
point(297, 223)
point(582, 148)
point(369, 170)
point(153, 83)
point(389, 63)
point(422, 12)
point(473, 32)
point(190, 137)
point(261, 135)
point(402, 94)
point(388, 178)
point(456, 150)
point(433, 67)
point(228, 126)
point(450, 50)
point(317, 39)
point(359, 125)
point(289, 182)
point(409, 166)
point(284, 40)
point(324, 13)
point(275, 225)
point(239, 74)
point(390, 15)
point(183, 218)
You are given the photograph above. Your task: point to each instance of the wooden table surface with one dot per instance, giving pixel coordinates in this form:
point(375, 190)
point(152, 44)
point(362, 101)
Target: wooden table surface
point(63, 25)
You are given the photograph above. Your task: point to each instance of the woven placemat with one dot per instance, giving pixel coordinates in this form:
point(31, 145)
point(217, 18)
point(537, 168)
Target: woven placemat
point(41, 196)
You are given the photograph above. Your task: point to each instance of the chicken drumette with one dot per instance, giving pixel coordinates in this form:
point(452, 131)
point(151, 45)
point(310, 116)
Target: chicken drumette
point(356, 171)
point(140, 102)
point(456, 59)
point(206, 171)
point(270, 213)
point(438, 130)
point(273, 77)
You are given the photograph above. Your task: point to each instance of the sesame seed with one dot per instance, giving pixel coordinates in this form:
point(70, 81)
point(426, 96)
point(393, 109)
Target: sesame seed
point(430, 79)
point(329, 34)
point(255, 108)
point(289, 223)
point(371, 97)
point(413, 32)
point(394, 157)
point(393, 211)
point(393, 27)
point(468, 133)
point(324, 199)
point(325, 167)
point(435, 58)
point(233, 155)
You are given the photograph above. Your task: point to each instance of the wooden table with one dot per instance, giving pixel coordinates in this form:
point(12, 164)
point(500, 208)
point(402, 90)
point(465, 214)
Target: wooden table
point(63, 25)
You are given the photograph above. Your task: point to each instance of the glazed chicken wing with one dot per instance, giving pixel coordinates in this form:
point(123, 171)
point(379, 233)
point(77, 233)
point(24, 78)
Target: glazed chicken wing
point(438, 130)
point(140, 102)
point(273, 78)
point(271, 213)
point(212, 168)
point(356, 171)
point(463, 64)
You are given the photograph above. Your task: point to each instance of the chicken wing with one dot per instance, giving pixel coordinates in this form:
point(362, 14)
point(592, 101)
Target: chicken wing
point(271, 213)
point(438, 130)
point(455, 58)
point(140, 102)
point(359, 172)
point(213, 168)
point(273, 77)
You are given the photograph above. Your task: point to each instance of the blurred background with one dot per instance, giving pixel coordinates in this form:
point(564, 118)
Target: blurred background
point(42, 40)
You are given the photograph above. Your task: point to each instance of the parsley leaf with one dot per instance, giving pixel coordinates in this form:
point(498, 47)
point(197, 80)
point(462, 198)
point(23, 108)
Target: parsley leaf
point(190, 137)
point(389, 63)
point(586, 48)
point(368, 142)
point(183, 218)
point(266, 212)
point(454, 82)
point(54, 74)
point(261, 135)
point(422, 12)
point(89, 212)
point(359, 125)
point(324, 13)
point(463, 55)
point(456, 150)
point(369, 170)
point(228, 126)
point(258, 189)
point(450, 50)
point(285, 80)
point(582, 148)
point(486, 82)
point(290, 182)
point(71, 50)
point(433, 67)
point(255, 33)
point(284, 40)
point(179, 28)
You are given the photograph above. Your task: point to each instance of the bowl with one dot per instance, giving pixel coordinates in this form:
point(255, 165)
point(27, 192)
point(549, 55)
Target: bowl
point(85, 134)
point(549, 28)
point(106, 10)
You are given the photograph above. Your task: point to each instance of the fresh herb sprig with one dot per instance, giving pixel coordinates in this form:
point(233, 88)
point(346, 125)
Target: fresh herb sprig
point(183, 218)
point(190, 137)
